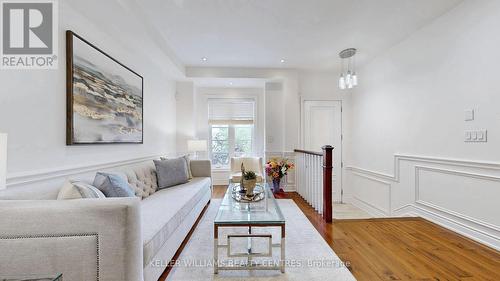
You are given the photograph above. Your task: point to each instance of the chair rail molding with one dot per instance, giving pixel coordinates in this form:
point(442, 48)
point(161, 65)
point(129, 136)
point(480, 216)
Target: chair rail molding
point(458, 194)
point(21, 178)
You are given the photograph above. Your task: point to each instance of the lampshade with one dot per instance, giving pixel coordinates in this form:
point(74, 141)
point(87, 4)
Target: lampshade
point(3, 160)
point(197, 145)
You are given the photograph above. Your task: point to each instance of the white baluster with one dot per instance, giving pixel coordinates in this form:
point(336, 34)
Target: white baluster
point(318, 188)
point(321, 185)
point(315, 187)
point(313, 184)
point(306, 192)
point(301, 172)
point(309, 185)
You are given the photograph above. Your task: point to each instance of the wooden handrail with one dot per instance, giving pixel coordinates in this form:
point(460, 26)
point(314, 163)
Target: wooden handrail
point(308, 152)
point(327, 165)
point(327, 182)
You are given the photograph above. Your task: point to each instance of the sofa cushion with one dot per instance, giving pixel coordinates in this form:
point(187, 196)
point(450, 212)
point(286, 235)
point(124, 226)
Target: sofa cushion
point(171, 172)
point(163, 212)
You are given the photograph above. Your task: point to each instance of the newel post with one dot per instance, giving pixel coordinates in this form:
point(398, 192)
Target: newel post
point(327, 182)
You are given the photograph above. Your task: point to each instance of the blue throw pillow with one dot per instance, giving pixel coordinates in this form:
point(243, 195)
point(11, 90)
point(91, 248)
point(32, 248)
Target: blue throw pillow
point(113, 185)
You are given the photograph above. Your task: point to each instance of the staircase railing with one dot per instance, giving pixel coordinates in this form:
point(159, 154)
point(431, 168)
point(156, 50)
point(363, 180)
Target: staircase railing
point(314, 179)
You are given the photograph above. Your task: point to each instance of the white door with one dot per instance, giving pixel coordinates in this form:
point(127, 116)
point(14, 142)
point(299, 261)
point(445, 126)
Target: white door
point(322, 125)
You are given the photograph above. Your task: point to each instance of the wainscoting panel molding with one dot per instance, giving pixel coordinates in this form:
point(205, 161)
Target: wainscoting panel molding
point(461, 195)
point(45, 175)
point(378, 204)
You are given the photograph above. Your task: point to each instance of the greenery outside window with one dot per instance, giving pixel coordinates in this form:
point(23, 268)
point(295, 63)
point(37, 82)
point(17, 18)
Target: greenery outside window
point(230, 141)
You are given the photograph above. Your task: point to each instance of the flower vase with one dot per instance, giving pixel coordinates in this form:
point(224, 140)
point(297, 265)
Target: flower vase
point(276, 185)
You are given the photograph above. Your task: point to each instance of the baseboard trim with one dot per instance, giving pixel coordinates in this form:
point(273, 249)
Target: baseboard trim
point(480, 235)
point(472, 228)
point(474, 224)
point(365, 206)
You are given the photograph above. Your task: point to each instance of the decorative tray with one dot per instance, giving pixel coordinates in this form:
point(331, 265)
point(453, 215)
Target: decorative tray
point(238, 194)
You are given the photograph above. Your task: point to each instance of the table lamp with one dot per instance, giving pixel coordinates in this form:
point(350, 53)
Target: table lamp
point(3, 160)
point(197, 146)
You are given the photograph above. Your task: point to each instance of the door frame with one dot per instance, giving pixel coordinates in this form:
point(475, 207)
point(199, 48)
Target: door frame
point(302, 135)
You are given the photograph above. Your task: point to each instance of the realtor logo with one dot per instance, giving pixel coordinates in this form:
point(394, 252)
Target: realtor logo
point(29, 34)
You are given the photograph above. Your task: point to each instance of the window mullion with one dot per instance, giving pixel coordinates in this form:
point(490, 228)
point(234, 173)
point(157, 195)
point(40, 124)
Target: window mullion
point(232, 141)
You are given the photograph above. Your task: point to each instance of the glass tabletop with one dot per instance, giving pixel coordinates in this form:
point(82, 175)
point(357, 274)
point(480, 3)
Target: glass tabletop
point(266, 211)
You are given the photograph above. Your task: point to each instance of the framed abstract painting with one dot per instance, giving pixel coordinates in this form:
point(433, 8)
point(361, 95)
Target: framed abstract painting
point(104, 98)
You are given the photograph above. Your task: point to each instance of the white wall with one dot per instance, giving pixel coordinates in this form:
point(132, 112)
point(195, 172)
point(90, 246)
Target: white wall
point(33, 103)
point(275, 117)
point(202, 95)
point(282, 107)
point(289, 133)
point(411, 102)
point(186, 113)
point(285, 89)
point(323, 86)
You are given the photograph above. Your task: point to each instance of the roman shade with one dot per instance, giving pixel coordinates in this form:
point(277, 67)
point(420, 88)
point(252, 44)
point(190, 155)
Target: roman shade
point(231, 111)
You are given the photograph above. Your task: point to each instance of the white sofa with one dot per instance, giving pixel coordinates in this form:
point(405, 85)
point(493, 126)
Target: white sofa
point(101, 239)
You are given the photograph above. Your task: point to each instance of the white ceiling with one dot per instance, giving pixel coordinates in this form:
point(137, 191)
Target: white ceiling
point(229, 82)
point(306, 33)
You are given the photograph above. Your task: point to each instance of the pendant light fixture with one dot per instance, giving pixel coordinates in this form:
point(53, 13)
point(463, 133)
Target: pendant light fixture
point(348, 77)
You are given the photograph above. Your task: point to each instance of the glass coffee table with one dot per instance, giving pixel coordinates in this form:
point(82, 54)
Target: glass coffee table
point(264, 213)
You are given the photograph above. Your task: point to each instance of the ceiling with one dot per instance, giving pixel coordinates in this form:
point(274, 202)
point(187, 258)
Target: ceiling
point(308, 34)
point(229, 82)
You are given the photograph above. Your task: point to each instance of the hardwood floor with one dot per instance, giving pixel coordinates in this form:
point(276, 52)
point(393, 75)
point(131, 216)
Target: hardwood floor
point(404, 249)
point(399, 248)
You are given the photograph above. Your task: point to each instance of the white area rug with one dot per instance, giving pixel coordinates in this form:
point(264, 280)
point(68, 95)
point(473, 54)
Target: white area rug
point(308, 256)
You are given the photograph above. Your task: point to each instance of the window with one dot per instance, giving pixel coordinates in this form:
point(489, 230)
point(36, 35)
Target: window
point(231, 129)
point(220, 145)
point(243, 140)
point(230, 141)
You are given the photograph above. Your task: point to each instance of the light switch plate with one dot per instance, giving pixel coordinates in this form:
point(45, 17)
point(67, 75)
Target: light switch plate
point(476, 136)
point(468, 136)
point(469, 115)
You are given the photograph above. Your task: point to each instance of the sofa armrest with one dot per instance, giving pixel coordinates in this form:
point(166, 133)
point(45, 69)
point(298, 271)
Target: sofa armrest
point(84, 239)
point(201, 168)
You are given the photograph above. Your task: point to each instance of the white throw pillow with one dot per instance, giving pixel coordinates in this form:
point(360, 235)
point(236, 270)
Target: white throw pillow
point(78, 190)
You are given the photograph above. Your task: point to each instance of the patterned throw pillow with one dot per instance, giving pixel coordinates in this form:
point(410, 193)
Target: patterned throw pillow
point(113, 185)
point(78, 190)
